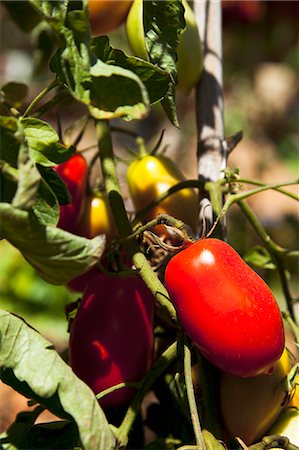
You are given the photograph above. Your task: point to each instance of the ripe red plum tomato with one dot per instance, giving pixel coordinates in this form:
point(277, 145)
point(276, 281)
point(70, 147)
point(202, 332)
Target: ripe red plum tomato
point(74, 173)
point(226, 308)
point(111, 337)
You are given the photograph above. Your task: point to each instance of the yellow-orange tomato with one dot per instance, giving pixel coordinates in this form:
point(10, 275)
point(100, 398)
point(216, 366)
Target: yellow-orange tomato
point(107, 15)
point(250, 406)
point(98, 218)
point(151, 176)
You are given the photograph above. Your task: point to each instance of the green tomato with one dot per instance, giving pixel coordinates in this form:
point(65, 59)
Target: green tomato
point(287, 425)
point(189, 51)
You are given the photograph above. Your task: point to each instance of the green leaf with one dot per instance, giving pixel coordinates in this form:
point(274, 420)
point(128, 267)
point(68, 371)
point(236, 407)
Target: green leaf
point(52, 11)
point(259, 257)
point(58, 256)
point(162, 27)
point(32, 367)
point(156, 80)
point(9, 146)
point(46, 207)
point(43, 143)
point(23, 13)
point(116, 92)
point(211, 442)
point(28, 183)
point(14, 93)
point(57, 185)
point(23, 434)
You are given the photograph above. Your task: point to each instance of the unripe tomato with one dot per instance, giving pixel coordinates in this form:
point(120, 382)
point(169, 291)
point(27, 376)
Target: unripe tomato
point(111, 337)
point(98, 217)
point(190, 58)
point(74, 174)
point(189, 51)
point(106, 15)
point(287, 425)
point(250, 406)
point(151, 176)
point(226, 308)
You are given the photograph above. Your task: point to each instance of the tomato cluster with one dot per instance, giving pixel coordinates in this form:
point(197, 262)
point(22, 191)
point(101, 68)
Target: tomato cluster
point(226, 309)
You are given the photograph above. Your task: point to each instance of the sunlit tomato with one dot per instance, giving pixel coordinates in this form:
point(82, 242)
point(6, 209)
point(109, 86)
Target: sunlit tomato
point(250, 406)
point(226, 308)
point(111, 337)
point(189, 51)
point(151, 176)
point(74, 174)
point(287, 425)
point(106, 15)
point(98, 218)
point(190, 58)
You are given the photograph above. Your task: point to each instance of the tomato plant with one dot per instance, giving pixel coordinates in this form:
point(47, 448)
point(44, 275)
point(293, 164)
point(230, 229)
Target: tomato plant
point(128, 330)
point(152, 175)
point(106, 15)
point(74, 174)
point(250, 406)
point(112, 337)
point(226, 308)
point(98, 218)
point(189, 51)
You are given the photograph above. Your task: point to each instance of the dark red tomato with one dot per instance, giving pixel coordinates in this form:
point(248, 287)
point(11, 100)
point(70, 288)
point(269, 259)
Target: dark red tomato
point(112, 337)
point(226, 308)
point(78, 284)
point(74, 174)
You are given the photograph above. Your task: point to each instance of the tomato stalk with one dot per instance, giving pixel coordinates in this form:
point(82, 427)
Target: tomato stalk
point(191, 399)
point(40, 96)
point(275, 252)
point(121, 219)
point(167, 357)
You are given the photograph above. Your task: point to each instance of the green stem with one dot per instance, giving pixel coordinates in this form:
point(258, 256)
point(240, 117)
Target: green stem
point(292, 325)
point(40, 96)
point(275, 251)
point(191, 399)
point(121, 219)
point(259, 183)
point(156, 370)
point(179, 186)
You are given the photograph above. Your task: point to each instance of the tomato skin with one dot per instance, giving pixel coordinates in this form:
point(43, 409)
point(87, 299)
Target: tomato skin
point(151, 176)
point(251, 405)
point(98, 217)
point(189, 51)
point(226, 308)
point(111, 337)
point(107, 15)
point(74, 174)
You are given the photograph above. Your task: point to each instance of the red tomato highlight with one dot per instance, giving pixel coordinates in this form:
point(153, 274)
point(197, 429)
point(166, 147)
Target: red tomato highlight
point(226, 308)
point(111, 337)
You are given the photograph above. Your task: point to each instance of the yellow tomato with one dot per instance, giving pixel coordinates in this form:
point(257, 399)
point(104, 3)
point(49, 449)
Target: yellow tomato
point(250, 406)
point(106, 15)
point(98, 218)
point(189, 51)
point(151, 176)
point(287, 425)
